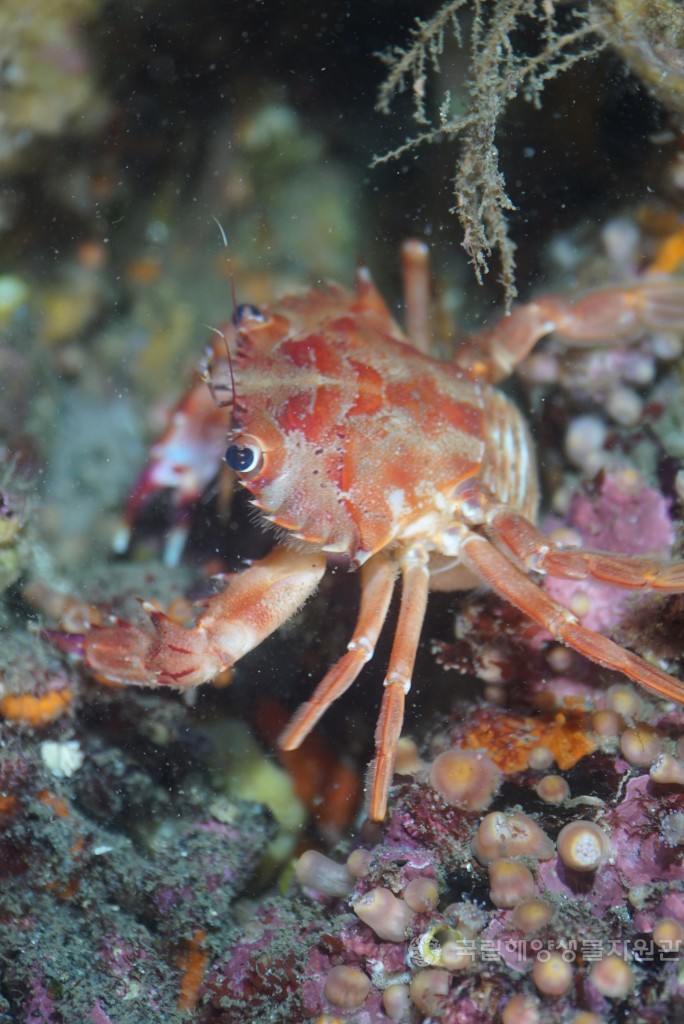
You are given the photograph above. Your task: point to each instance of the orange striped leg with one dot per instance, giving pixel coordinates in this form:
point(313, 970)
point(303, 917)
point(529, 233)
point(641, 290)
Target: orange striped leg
point(507, 580)
point(536, 552)
point(628, 571)
point(414, 595)
point(608, 316)
point(377, 583)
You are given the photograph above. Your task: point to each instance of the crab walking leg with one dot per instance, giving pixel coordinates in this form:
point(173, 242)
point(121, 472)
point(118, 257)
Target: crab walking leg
point(377, 583)
point(603, 317)
point(233, 622)
point(620, 570)
point(507, 580)
point(536, 552)
point(415, 585)
point(415, 269)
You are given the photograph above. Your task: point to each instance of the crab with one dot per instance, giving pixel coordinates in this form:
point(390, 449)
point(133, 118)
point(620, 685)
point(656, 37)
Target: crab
point(354, 441)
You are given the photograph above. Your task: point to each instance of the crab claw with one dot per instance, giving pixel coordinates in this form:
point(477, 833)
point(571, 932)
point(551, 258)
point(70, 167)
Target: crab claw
point(120, 654)
point(232, 622)
point(167, 654)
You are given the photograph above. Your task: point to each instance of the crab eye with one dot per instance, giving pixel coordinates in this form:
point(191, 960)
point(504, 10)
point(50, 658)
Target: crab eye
point(246, 311)
point(244, 458)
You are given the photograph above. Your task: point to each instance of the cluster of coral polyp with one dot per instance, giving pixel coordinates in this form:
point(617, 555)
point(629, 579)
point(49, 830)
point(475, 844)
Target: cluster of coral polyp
point(519, 897)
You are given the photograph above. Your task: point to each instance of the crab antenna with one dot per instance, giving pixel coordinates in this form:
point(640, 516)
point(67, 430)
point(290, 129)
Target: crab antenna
point(224, 239)
point(219, 225)
point(206, 374)
point(207, 378)
point(230, 358)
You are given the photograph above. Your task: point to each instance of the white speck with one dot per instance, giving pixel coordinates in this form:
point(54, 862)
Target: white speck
point(61, 759)
point(395, 500)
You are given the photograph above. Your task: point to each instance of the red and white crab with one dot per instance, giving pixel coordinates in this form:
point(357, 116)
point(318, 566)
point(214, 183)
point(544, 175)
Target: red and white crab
point(354, 440)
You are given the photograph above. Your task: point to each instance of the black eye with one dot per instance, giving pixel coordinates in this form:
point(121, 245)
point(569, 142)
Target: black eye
point(246, 312)
point(244, 458)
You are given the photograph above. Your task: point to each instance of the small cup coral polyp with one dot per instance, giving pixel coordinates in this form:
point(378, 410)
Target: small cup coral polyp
point(510, 883)
point(389, 917)
point(582, 846)
point(465, 779)
point(510, 835)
